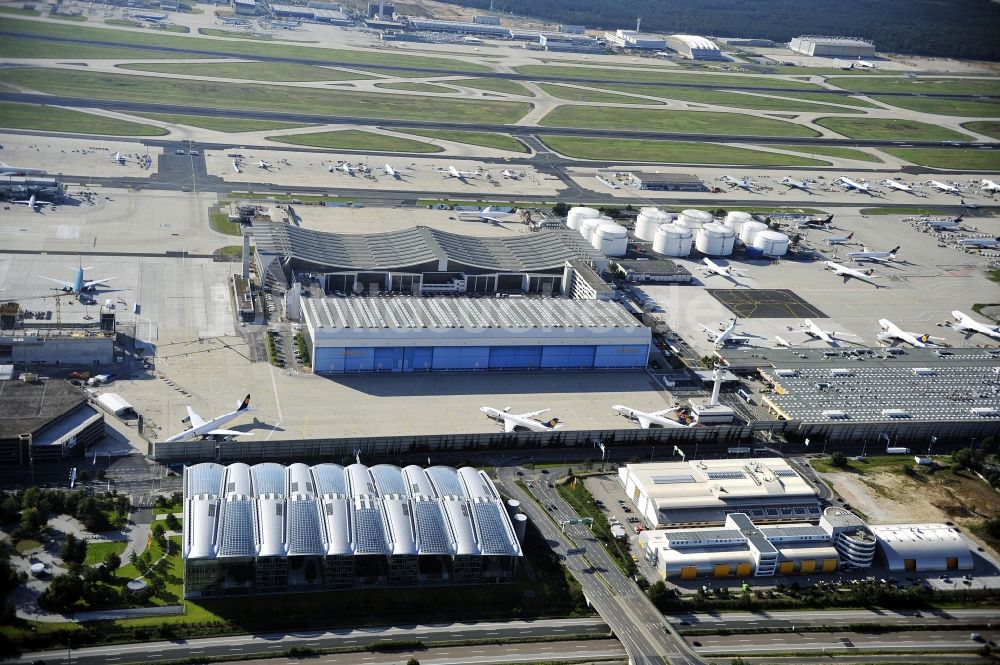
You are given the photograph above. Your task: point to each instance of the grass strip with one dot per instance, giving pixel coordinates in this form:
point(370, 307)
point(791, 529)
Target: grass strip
point(484, 139)
point(230, 125)
point(669, 152)
point(950, 158)
point(50, 118)
point(355, 139)
point(250, 71)
point(889, 129)
point(687, 122)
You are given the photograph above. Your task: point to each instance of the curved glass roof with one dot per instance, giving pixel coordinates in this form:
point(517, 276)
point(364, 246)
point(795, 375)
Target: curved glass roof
point(268, 478)
point(205, 478)
point(329, 479)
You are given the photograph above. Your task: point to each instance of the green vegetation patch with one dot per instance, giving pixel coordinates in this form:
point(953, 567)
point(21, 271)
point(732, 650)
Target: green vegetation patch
point(485, 139)
point(831, 151)
point(124, 22)
point(990, 128)
point(250, 71)
point(889, 128)
point(49, 118)
point(202, 94)
point(355, 139)
point(919, 85)
point(734, 99)
point(232, 125)
point(21, 11)
point(585, 95)
point(97, 551)
point(229, 250)
point(233, 34)
point(950, 158)
point(663, 77)
point(678, 152)
point(691, 122)
point(904, 211)
point(495, 85)
point(945, 106)
point(31, 47)
point(415, 86)
point(79, 18)
point(218, 219)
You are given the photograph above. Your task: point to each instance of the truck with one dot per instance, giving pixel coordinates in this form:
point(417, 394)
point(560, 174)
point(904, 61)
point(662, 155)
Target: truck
point(897, 451)
point(98, 379)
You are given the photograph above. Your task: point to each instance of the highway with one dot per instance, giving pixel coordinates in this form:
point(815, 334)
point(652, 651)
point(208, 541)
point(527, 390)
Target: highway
point(127, 106)
point(646, 635)
point(784, 643)
point(789, 618)
point(241, 646)
point(431, 71)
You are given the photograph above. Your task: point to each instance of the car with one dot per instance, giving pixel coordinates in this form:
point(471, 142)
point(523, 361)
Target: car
point(520, 473)
point(626, 509)
point(195, 153)
point(976, 637)
point(180, 152)
point(545, 470)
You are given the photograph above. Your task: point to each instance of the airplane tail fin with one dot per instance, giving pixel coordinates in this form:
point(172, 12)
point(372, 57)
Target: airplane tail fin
point(552, 423)
point(849, 235)
point(828, 220)
point(895, 249)
point(245, 404)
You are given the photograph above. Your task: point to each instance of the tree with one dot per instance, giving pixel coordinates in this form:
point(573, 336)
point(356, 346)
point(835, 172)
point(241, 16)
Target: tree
point(413, 661)
point(839, 460)
point(657, 594)
point(173, 523)
point(111, 562)
point(62, 593)
point(158, 532)
point(74, 550)
point(32, 520)
point(992, 526)
point(560, 209)
point(133, 559)
point(10, 509)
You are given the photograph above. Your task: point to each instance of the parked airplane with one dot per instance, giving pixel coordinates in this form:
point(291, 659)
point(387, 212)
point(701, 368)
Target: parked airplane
point(209, 428)
point(855, 64)
point(839, 240)
point(848, 273)
point(968, 325)
point(391, 171)
point(512, 421)
point(979, 242)
point(871, 255)
point(894, 332)
point(792, 183)
point(940, 222)
point(898, 185)
point(988, 186)
point(743, 183)
point(812, 223)
point(452, 172)
point(263, 165)
point(7, 169)
point(847, 183)
point(484, 215)
point(236, 166)
point(725, 336)
point(827, 336)
point(648, 419)
point(507, 173)
point(728, 272)
point(118, 157)
point(33, 203)
point(945, 187)
point(79, 284)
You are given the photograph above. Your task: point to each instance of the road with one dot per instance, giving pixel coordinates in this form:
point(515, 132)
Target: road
point(940, 641)
point(517, 130)
point(240, 646)
point(782, 619)
point(646, 635)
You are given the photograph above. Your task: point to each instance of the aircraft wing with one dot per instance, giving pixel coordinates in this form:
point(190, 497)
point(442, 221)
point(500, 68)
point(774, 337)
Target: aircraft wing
point(194, 418)
point(739, 338)
point(227, 432)
point(68, 285)
point(509, 425)
point(713, 331)
point(644, 421)
point(663, 412)
point(532, 414)
point(97, 282)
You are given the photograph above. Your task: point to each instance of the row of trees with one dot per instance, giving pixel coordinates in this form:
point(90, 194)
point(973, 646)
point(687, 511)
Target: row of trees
point(30, 509)
point(959, 28)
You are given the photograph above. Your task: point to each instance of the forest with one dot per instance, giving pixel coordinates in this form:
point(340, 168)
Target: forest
point(944, 28)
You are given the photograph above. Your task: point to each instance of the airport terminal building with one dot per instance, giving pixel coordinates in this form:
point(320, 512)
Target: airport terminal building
point(270, 528)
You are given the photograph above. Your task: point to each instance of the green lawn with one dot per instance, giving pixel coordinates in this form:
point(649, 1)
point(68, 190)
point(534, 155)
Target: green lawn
point(229, 250)
point(226, 48)
point(828, 98)
point(679, 152)
point(234, 34)
point(232, 125)
point(734, 99)
point(250, 71)
point(264, 97)
point(78, 18)
point(49, 118)
point(891, 129)
point(919, 86)
point(415, 86)
point(485, 139)
point(582, 95)
point(355, 139)
point(692, 122)
point(219, 221)
point(32, 47)
point(495, 85)
point(97, 551)
point(831, 151)
point(945, 106)
point(945, 158)
point(20, 11)
point(26, 545)
point(663, 77)
point(989, 127)
point(124, 22)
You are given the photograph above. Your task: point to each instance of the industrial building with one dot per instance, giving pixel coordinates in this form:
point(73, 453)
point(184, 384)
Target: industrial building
point(650, 270)
point(245, 7)
point(706, 492)
point(419, 260)
point(45, 420)
point(851, 47)
point(633, 39)
point(461, 27)
point(922, 548)
point(570, 29)
point(404, 334)
point(570, 43)
point(23, 186)
point(694, 47)
point(581, 282)
point(270, 528)
point(667, 182)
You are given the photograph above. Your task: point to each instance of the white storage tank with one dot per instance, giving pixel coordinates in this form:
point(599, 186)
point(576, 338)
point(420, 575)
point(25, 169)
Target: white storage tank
point(695, 219)
point(749, 230)
point(736, 219)
point(769, 243)
point(590, 224)
point(648, 221)
point(610, 239)
point(715, 240)
point(575, 217)
point(672, 240)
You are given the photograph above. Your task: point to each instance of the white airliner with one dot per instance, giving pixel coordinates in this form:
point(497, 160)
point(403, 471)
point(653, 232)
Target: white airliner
point(725, 336)
point(988, 186)
point(940, 222)
point(484, 215)
point(744, 183)
point(79, 284)
point(968, 325)
point(118, 157)
point(945, 187)
point(263, 165)
point(812, 223)
point(813, 330)
point(236, 167)
point(893, 332)
point(452, 172)
point(898, 185)
point(847, 183)
point(33, 203)
point(648, 419)
point(728, 272)
point(511, 175)
point(512, 421)
point(391, 171)
point(839, 240)
point(848, 273)
point(871, 255)
point(792, 183)
point(210, 428)
point(979, 242)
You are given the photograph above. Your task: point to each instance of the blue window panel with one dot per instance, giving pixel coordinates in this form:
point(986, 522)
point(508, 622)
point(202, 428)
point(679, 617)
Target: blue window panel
point(329, 360)
point(358, 359)
point(388, 359)
point(418, 359)
point(626, 355)
point(515, 357)
point(568, 356)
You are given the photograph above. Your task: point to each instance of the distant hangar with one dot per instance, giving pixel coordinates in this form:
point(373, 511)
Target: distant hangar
point(851, 47)
point(695, 47)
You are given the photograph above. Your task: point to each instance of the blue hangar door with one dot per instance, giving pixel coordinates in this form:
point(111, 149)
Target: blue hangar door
point(515, 357)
